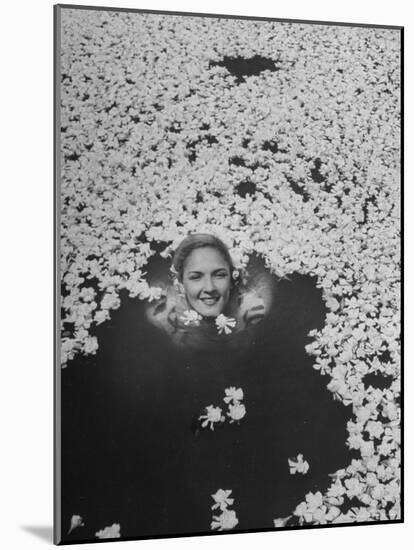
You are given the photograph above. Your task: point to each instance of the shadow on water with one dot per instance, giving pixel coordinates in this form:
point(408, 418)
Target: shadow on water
point(131, 455)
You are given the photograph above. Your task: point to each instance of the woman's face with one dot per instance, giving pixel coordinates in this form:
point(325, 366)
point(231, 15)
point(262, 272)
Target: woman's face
point(206, 280)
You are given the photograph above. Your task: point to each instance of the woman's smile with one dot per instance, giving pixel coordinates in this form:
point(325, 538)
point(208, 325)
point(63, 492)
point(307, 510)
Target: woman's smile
point(210, 300)
point(207, 281)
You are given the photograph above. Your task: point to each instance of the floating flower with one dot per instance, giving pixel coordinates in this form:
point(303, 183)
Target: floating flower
point(225, 324)
point(87, 294)
point(353, 487)
point(281, 522)
point(236, 412)
point(191, 317)
point(233, 394)
point(314, 500)
point(155, 293)
point(222, 500)
point(75, 522)
point(335, 492)
point(101, 316)
point(311, 508)
point(91, 345)
point(298, 465)
point(375, 429)
point(226, 521)
point(332, 513)
point(112, 532)
point(213, 416)
point(326, 203)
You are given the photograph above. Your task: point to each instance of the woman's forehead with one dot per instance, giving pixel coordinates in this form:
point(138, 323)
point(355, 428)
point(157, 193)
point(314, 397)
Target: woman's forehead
point(205, 258)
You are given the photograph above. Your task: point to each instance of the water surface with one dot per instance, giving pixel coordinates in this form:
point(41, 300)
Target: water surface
point(133, 451)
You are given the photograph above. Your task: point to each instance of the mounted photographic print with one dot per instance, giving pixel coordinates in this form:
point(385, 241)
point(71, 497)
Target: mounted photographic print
point(228, 194)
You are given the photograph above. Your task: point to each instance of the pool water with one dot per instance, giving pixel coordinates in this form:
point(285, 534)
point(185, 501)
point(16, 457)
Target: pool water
point(134, 451)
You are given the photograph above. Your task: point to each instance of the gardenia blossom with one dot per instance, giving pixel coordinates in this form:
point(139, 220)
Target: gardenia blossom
point(236, 412)
point(91, 345)
point(191, 317)
point(298, 465)
point(212, 417)
point(323, 161)
point(112, 532)
point(281, 522)
point(312, 509)
point(154, 293)
point(222, 500)
point(75, 522)
point(225, 324)
point(226, 521)
point(233, 394)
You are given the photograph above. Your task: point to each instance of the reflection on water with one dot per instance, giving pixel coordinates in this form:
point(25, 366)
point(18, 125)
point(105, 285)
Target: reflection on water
point(249, 303)
point(131, 454)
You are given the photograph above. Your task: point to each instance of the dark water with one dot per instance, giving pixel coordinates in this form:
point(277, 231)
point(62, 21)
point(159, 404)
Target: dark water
point(242, 67)
point(131, 455)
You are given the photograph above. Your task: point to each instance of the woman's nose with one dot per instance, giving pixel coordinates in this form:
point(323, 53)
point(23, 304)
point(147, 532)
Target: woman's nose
point(209, 284)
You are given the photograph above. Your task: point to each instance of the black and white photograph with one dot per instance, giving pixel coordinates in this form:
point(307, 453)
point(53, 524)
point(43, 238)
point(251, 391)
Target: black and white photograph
point(228, 262)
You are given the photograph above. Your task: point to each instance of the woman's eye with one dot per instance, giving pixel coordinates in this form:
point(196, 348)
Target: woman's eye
point(221, 275)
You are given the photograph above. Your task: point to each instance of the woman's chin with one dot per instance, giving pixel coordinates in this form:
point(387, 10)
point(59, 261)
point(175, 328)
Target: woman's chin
point(211, 315)
point(209, 310)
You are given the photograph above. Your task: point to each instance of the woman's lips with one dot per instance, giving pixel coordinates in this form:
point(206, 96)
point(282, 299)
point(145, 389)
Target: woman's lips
point(210, 301)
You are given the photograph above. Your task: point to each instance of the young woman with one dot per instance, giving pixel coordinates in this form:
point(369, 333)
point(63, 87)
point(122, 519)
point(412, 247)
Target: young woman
point(155, 433)
point(209, 297)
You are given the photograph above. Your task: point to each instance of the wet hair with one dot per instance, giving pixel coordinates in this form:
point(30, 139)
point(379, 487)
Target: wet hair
point(199, 240)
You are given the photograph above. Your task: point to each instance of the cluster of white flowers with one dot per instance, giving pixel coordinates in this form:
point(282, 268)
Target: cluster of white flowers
point(298, 465)
point(224, 324)
point(112, 532)
point(227, 519)
point(236, 409)
point(155, 142)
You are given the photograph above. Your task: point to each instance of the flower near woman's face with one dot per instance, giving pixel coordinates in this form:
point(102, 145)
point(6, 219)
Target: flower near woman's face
point(191, 317)
point(225, 324)
point(154, 293)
